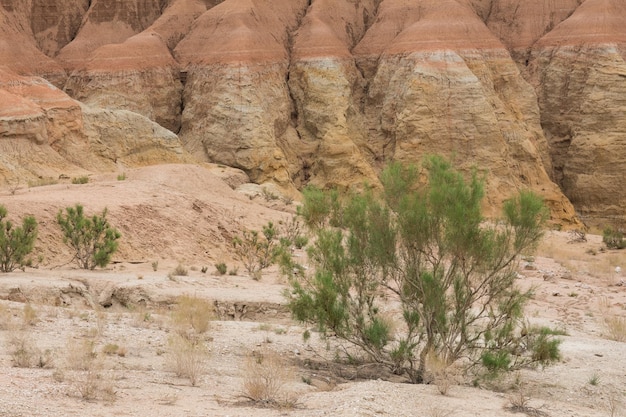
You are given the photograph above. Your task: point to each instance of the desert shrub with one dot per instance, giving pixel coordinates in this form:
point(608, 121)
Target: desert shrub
point(23, 350)
point(429, 248)
point(265, 378)
point(16, 243)
point(192, 315)
point(188, 357)
point(80, 180)
point(121, 177)
point(180, 271)
point(221, 268)
point(92, 239)
point(155, 265)
point(29, 315)
point(613, 238)
point(614, 325)
point(257, 251)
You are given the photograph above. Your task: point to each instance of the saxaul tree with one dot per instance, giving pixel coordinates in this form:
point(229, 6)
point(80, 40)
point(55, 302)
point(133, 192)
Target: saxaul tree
point(421, 254)
point(92, 239)
point(16, 242)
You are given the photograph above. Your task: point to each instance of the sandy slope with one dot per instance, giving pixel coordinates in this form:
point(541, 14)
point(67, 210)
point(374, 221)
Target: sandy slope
point(185, 214)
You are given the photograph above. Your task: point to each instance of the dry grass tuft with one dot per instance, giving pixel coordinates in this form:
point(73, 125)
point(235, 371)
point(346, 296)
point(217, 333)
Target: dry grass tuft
point(192, 315)
point(519, 402)
point(441, 373)
point(614, 324)
point(266, 376)
point(29, 315)
point(188, 358)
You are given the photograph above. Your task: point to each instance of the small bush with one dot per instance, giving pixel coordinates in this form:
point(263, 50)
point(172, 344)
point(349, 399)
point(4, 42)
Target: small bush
point(110, 349)
point(155, 265)
point(613, 238)
point(23, 350)
point(180, 271)
point(221, 268)
point(93, 240)
point(234, 271)
point(30, 315)
point(16, 243)
point(188, 358)
point(300, 241)
point(615, 325)
point(265, 379)
point(257, 251)
point(192, 315)
point(80, 180)
point(42, 182)
point(121, 177)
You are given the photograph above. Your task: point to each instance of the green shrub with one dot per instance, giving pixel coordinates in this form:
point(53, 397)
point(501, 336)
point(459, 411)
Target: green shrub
point(429, 248)
point(180, 271)
point(257, 251)
point(613, 238)
point(221, 268)
point(92, 239)
point(16, 243)
point(80, 180)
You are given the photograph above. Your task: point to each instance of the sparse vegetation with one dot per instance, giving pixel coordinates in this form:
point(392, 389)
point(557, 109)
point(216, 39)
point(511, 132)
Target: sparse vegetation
point(429, 248)
point(221, 268)
point(265, 377)
point(121, 177)
point(613, 238)
point(41, 182)
point(16, 243)
point(257, 251)
point(30, 316)
point(180, 271)
point(188, 357)
point(93, 239)
point(80, 180)
point(192, 316)
point(24, 352)
point(155, 265)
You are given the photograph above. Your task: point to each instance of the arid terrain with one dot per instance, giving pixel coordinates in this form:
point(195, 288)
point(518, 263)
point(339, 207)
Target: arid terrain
point(186, 215)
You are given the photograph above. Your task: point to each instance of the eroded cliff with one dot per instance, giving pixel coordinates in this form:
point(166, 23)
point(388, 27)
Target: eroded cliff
point(328, 91)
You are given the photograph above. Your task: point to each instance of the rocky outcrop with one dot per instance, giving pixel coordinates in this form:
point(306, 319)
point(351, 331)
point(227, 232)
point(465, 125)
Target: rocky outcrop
point(580, 75)
point(18, 48)
point(521, 23)
point(454, 90)
point(43, 132)
point(326, 84)
point(55, 23)
point(139, 75)
point(108, 23)
point(237, 103)
point(328, 91)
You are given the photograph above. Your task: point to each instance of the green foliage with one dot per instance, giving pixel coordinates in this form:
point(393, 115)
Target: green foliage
point(15, 242)
point(92, 239)
point(221, 268)
point(427, 246)
point(80, 180)
point(257, 251)
point(613, 238)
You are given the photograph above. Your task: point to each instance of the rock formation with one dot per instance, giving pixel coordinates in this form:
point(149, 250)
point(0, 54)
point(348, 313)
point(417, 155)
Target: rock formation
point(327, 91)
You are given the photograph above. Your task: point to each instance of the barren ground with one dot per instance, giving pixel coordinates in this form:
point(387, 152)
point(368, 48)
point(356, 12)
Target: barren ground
point(176, 214)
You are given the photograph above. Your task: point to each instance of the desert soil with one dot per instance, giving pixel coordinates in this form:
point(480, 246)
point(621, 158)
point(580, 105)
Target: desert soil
point(184, 215)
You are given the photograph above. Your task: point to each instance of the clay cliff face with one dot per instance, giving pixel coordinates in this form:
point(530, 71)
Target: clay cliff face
point(531, 92)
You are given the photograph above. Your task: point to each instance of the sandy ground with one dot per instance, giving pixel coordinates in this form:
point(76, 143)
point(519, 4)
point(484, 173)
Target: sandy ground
point(184, 215)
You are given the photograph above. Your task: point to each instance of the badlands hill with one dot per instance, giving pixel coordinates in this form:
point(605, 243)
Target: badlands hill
point(532, 92)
